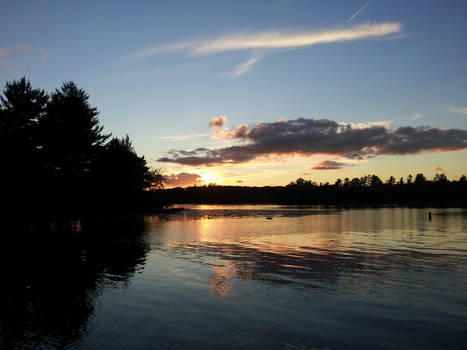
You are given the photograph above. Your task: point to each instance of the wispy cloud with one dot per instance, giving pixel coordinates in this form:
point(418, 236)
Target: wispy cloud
point(5, 52)
point(281, 39)
point(163, 49)
point(266, 41)
point(358, 11)
point(182, 137)
point(7, 69)
point(273, 40)
point(243, 67)
point(27, 49)
point(306, 137)
point(458, 110)
point(45, 55)
point(416, 116)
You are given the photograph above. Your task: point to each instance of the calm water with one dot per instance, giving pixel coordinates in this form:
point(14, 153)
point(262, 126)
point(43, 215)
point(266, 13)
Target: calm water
point(221, 277)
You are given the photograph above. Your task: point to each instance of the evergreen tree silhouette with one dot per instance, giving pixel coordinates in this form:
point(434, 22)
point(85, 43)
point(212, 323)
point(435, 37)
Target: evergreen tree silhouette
point(21, 107)
point(121, 176)
point(71, 138)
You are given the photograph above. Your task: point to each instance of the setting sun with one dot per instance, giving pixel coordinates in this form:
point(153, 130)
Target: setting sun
point(210, 178)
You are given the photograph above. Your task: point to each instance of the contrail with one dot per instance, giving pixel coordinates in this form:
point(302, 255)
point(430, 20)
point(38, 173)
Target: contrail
point(358, 12)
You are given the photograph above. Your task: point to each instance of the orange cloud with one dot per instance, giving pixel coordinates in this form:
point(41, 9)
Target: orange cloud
point(182, 180)
point(240, 132)
point(438, 169)
point(218, 122)
point(4, 52)
point(27, 49)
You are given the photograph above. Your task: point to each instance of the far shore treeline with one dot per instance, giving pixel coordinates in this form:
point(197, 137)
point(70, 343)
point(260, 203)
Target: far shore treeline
point(57, 161)
point(365, 190)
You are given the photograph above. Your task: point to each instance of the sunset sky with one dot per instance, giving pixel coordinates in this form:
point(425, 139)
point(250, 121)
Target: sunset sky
point(259, 92)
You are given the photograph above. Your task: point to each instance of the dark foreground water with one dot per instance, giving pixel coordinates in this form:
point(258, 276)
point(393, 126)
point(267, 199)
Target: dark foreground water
point(221, 277)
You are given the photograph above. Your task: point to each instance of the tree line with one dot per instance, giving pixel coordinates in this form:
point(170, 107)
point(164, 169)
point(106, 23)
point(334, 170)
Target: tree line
point(56, 158)
point(368, 189)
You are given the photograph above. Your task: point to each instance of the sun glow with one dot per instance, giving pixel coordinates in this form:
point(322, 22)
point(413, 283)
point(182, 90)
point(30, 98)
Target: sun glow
point(210, 178)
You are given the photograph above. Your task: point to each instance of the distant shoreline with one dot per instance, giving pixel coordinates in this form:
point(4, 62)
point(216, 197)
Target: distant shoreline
point(423, 193)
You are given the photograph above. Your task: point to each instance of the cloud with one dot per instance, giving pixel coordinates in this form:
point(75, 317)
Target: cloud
point(416, 116)
point(240, 132)
point(306, 137)
point(438, 169)
point(45, 55)
point(458, 110)
point(4, 52)
point(281, 39)
point(385, 123)
point(182, 137)
point(27, 49)
point(260, 42)
point(163, 49)
point(328, 165)
point(267, 40)
point(218, 122)
point(243, 67)
point(5, 68)
point(182, 180)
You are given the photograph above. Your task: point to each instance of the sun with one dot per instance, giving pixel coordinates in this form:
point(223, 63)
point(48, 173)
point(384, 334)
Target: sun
point(210, 178)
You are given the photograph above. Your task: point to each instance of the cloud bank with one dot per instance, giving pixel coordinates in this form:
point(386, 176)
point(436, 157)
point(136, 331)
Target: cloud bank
point(307, 137)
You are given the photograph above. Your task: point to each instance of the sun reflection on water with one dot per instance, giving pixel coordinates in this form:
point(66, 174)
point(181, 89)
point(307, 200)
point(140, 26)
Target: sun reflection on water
point(313, 250)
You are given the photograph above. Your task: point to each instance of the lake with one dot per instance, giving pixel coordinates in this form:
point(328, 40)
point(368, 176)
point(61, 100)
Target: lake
point(241, 277)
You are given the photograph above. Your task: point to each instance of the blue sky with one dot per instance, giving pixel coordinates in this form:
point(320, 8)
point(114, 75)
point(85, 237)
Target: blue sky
point(414, 75)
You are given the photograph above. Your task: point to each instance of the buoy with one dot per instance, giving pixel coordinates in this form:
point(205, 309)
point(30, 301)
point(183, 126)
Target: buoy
point(269, 218)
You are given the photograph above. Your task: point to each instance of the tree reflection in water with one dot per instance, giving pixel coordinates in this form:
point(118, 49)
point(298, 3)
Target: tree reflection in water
point(51, 279)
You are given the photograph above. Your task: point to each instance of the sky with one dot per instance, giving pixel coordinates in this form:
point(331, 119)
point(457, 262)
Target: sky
point(259, 92)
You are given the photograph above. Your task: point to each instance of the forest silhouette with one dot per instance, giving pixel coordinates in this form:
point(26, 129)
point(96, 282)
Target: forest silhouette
point(58, 163)
point(365, 190)
point(56, 159)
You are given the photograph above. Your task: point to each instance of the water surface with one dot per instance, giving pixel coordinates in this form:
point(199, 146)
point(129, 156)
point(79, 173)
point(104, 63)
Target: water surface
point(245, 277)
